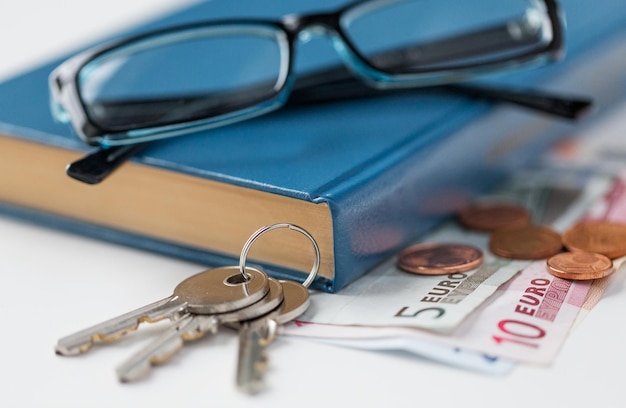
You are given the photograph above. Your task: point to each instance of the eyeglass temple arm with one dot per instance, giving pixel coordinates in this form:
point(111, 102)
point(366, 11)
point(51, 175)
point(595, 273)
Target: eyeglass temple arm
point(97, 166)
point(568, 107)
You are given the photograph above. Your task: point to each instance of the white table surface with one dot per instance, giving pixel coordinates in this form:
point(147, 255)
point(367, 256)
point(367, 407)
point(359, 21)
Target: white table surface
point(56, 283)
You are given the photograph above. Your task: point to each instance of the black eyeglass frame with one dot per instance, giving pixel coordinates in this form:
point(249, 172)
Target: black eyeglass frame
point(68, 105)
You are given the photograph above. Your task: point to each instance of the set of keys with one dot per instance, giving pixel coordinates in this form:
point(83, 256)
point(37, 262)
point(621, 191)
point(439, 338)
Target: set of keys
point(239, 297)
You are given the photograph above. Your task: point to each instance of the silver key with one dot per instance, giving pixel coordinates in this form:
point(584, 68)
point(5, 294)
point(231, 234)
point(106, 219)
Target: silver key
point(191, 327)
point(255, 335)
point(215, 290)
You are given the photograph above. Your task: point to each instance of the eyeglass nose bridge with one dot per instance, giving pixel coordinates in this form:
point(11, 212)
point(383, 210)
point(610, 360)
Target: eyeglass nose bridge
point(295, 24)
point(302, 28)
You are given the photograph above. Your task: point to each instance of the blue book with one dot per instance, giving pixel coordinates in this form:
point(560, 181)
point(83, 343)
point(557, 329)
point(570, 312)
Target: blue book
point(364, 177)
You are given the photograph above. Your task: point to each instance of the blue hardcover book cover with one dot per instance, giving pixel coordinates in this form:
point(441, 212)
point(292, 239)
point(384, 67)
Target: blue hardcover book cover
point(383, 170)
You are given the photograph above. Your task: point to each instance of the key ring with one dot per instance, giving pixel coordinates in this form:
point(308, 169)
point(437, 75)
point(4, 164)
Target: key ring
point(263, 230)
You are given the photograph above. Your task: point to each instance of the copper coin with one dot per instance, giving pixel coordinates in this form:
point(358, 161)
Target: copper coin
point(602, 237)
point(530, 242)
point(439, 258)
point(580, 265)
point(492, 216)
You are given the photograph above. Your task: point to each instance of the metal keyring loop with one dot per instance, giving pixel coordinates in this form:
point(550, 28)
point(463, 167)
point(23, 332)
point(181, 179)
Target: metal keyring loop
point(263, 230)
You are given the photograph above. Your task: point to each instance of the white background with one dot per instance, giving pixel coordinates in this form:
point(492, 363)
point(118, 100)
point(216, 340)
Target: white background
point(55, 283)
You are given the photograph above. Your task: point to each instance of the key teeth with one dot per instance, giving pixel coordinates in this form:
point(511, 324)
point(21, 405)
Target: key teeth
point(120, 326)
point(83, 345)
point(253, 358)
point(164, 348)
point(61, 350)
point(127, 374)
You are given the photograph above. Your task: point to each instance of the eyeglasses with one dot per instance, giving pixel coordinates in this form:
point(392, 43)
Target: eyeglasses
point(199, 76)
point(181, 79)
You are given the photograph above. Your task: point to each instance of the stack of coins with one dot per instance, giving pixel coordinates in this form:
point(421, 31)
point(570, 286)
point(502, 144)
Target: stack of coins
point(513, 235)
point(591, 245)
point(585, 251)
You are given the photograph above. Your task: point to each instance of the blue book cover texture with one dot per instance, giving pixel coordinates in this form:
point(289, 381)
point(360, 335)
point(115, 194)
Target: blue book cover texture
point(387, 167)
